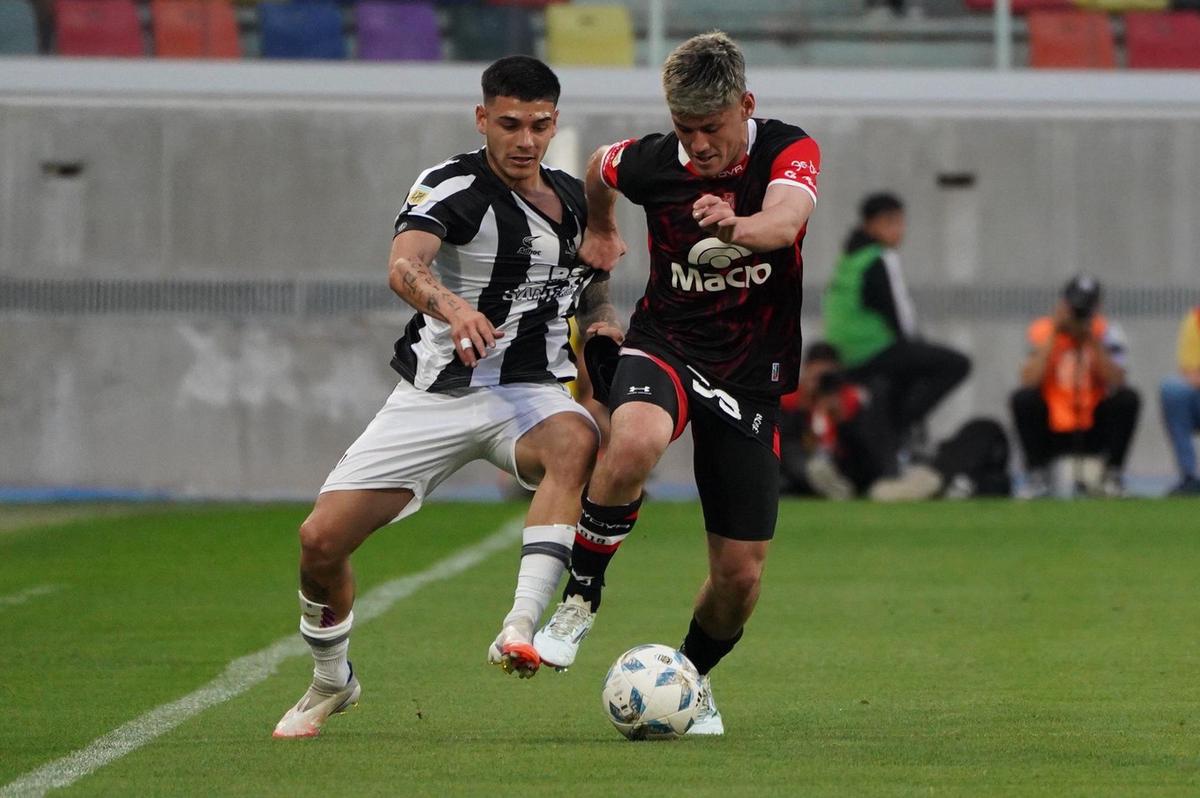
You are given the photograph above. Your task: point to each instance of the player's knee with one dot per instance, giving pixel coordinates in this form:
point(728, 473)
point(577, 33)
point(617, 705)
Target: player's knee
point(318, 545)
point(738, 579)
point(637, 455)
point(574, 454)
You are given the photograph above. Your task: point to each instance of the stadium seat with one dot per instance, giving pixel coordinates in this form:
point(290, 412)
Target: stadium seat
point(524, 3)
point(485, 33)
point(600, 35)
point(1022, 6)
point(1168, 40)
point(18, 28)
point(194, 29)
point(107, 28)
point(310, 29)
point(391, 31)
point(1117, 6)
point(1071, 40)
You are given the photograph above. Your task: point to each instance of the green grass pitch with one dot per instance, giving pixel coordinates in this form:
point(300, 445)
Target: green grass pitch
point(970, 648)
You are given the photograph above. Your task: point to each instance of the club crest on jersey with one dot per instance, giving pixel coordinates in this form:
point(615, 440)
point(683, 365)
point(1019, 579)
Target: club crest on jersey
point(714, 254)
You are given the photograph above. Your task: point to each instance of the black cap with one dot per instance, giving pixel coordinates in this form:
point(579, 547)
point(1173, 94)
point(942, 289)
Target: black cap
point(1082, 293)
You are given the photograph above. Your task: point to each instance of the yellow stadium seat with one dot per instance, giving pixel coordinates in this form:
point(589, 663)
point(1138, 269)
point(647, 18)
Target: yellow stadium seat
point(587, 35)
point(1116, 6)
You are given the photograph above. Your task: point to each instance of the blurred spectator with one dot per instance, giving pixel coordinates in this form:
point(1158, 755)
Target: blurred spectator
point(869, 318)
point(1181, 405)
point(836, 441)
point(1073, 397)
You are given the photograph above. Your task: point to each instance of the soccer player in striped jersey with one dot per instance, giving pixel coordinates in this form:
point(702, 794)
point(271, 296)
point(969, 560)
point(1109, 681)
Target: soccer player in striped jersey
point(714, 342)
point(486, 250)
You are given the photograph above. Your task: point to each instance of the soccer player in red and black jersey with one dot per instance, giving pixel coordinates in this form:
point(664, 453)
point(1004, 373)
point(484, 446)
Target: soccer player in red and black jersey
point(715, 341)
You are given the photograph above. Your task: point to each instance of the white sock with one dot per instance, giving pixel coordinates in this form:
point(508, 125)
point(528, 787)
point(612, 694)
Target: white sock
point(329, 641)
point(545, 553)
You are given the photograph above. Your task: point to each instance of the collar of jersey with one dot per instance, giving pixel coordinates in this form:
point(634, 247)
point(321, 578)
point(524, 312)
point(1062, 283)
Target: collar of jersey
point(752, 127)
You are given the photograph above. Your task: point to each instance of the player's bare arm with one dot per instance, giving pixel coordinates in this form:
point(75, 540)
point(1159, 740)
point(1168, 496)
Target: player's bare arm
point(785, 211)
point(596, 314)
point(602, 243)
point(410, 277)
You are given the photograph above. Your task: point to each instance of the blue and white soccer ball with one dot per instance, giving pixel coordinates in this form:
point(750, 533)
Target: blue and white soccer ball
point(652, 693)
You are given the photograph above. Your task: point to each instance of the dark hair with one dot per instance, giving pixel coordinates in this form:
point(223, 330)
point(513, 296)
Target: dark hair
point(821, 352)
point(520, 76)
point(879, 204)
point(1082, 293)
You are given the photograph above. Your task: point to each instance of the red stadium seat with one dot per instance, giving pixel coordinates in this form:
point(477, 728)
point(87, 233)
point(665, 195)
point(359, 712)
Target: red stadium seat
point(1071, 40)
point(1023, 6)
point(1168, 40)
point(195, 29)
point(98, 28)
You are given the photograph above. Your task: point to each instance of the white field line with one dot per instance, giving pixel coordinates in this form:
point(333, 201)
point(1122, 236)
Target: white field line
point(23, 596)
point(240, 675)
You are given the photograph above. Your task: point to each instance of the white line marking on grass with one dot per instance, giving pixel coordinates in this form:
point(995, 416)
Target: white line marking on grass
point(240, 675)
point(23, 596)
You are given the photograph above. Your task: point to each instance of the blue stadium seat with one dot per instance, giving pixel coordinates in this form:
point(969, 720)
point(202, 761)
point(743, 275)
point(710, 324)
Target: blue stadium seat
point(18, 28)
point(310, 29)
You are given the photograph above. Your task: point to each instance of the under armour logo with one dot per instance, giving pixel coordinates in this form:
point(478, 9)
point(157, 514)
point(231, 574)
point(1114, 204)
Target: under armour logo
point(585, 581)
point(636, 391)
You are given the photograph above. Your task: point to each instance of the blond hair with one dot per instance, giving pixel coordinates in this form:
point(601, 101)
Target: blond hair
point(705, 74)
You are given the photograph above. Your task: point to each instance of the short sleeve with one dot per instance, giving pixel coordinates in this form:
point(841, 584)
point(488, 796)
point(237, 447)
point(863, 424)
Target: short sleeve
point(798, 164)
point(438, 203)
point(1039, 332)
point(623, 167)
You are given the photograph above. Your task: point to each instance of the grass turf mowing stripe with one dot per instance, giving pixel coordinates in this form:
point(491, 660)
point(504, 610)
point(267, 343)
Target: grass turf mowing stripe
point(240, 675)
point(23, 596)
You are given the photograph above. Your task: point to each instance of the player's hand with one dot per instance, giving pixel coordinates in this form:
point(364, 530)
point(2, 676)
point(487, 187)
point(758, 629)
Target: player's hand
point(604, 328)
point(715, 217)
point(473, 336)
point(601, 250)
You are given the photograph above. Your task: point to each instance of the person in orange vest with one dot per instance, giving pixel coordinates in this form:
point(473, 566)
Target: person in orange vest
point(1073, 398)
point(1180, 394)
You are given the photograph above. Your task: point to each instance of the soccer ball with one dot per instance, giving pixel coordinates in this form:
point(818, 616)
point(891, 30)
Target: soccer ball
point(652, 693)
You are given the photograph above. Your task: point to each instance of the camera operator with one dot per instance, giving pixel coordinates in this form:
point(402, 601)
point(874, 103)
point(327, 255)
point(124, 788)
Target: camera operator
point(836, 439)
point(1073, 398)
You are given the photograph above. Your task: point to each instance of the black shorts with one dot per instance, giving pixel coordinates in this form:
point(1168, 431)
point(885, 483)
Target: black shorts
point(735, 441)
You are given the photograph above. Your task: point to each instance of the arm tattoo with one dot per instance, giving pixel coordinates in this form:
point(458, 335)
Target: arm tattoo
point(594, 304)
point(419, 288)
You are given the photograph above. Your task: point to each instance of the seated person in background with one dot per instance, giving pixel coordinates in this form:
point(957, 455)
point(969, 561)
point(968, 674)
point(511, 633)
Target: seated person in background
point(836, 441)
point(1181, 405)
point(869, 319)
point(1073, 398)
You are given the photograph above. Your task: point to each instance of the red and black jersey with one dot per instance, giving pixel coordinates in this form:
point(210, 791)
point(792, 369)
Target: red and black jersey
point(729, 312)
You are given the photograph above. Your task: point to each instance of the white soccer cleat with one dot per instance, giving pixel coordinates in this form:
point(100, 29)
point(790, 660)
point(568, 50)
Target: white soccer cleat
point(310, 713)
point(513, 651)
point(708, 717)
point(558, 641)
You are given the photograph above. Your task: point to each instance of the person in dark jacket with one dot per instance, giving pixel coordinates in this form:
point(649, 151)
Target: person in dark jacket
point(869, 318)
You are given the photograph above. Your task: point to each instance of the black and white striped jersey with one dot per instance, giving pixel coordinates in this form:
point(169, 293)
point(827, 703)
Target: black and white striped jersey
point(509, 260)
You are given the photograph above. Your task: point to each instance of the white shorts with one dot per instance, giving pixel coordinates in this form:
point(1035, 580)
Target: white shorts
point(420, 438)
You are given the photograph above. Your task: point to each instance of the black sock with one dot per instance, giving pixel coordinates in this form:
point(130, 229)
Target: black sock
point(597, 538)
point(704, 651)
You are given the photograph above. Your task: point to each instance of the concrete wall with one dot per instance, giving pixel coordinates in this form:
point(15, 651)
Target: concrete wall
point(192, 257)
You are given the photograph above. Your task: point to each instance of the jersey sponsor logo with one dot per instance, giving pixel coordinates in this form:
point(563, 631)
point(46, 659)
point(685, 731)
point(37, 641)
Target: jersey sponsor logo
point(714, 253)
point(419, 194)
point(527, 246)
point(562, 281)
point(735, 170)
point(727, 403)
